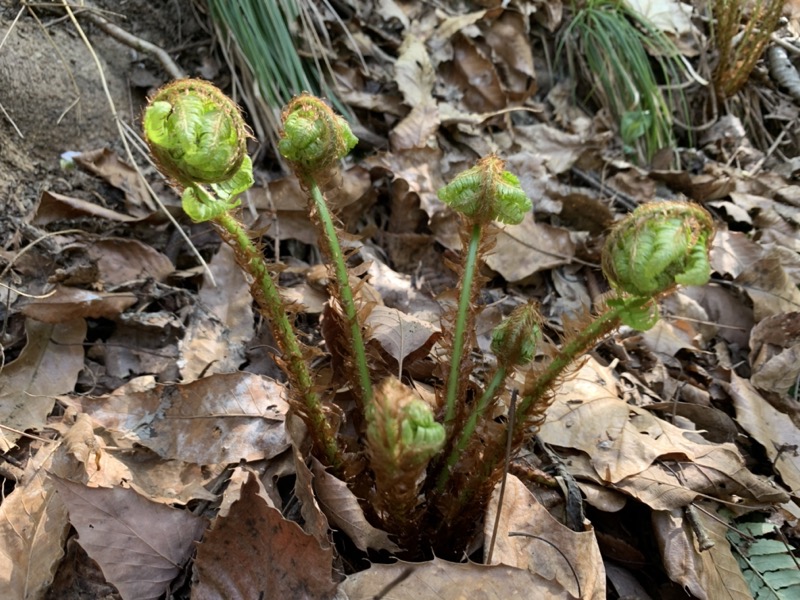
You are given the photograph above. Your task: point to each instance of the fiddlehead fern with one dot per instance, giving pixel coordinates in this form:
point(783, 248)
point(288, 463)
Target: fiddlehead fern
point(654, 249)
point(314, 140)
point(195, 133)
point(198, 138)
point(402, 437)
point(658, 246)
point(484, 193)
point(314, 137)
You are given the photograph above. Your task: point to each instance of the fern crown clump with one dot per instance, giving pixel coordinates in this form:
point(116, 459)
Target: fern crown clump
point(421, 463)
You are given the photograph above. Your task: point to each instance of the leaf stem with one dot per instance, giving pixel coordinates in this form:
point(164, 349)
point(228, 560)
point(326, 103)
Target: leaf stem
point(575, 347)
point(283, 331)
point(545, 382)
point(468, 277)
point(345, 291)
point(469, 428)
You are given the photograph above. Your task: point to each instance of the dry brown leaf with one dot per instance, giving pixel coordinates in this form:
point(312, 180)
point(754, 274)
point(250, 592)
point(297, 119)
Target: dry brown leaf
point(420, 169)
point(636, 451)
point(342, 508)
point(718, 426)
point(775, 353)
point(708, 575)
point(105, 163)
point(528, 248)
point(121, 260)
point(33, 528)
point(413, 72)
point(218, 419)
point(205, 348)
point(670, 484)
point(474, 76)
point(399, 334)
point(47, 366)
point(548, 548)
point(67, 304)
point(58, 207)
point(669, 16)
point(140, 545)
point(167, 481)
point(714, 184)
point(558, 149)
point(255, 553)
point(439, 40)
point(417, 129)
point(444, 580)
point(316, 523)
point(82, 458)
point(667, 338)
point(396, 289)
point(602, 498)
point(508, 38)
point(727, 310)
point(733, 253)
point(233, 490)
point(143, 343)
point(769, 287)
point(774, 430)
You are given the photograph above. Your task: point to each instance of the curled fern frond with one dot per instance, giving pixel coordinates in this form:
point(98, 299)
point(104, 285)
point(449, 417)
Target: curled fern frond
point(314, 138)
point(402, 437)
point(196, 133)
point(487, 192)
point(514, 340)
point(658, 246)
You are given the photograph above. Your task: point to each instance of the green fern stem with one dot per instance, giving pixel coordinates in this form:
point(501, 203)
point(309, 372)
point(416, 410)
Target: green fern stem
point(574, 348)
point(345, 291)
point(536, 399)
point(284, 334)
point(469, 427)
point(462, 316)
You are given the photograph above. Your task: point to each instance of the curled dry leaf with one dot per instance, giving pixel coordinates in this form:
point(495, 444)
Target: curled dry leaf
point(525, 249)
point(57, 207)
point(713, 573)
point(547, 548)
point(775, 353)
point(69, 303)
point(400, 334)
point(451, 581)
point(121, 260)
point(634, 450)
point(342, 508)
point(774, 430)
point(33, 528)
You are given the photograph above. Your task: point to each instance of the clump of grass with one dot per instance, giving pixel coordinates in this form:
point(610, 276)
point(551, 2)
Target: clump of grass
point(632, 67)
point(740, 50)
point(265, 36)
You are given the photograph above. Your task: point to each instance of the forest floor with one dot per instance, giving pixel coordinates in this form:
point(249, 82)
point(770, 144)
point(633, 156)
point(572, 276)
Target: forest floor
point(139, 392)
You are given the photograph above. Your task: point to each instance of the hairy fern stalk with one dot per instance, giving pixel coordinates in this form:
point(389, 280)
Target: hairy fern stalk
point(423, 467)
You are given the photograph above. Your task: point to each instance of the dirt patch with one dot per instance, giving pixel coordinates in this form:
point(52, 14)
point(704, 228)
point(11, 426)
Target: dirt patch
point(52, 92)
